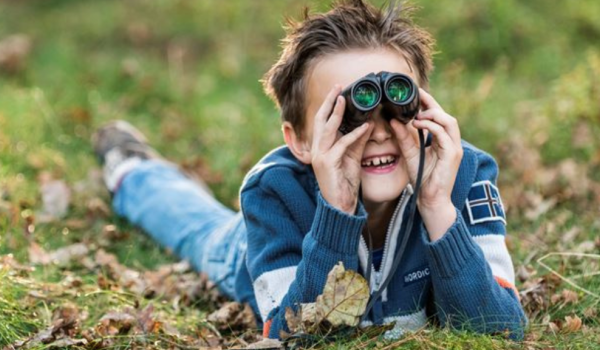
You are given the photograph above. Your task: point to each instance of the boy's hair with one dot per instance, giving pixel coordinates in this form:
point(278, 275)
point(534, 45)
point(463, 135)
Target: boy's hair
point(351, 24)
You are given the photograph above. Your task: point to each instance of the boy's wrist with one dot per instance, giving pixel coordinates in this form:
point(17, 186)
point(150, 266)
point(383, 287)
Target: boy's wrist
point(438, 218)
point(335, 229)
point(348, 206)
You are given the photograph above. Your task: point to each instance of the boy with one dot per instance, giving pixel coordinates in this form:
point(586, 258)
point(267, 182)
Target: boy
point(302, 212)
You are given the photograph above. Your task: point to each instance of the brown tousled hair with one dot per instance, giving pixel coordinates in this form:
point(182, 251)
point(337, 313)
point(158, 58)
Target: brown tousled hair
point(350, 24)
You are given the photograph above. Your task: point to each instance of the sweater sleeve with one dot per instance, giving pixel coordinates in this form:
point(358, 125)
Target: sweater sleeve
point(289, 267)
point(472, 272)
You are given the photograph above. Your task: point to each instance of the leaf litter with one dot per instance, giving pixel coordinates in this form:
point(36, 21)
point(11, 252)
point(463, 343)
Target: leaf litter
point(173, 284)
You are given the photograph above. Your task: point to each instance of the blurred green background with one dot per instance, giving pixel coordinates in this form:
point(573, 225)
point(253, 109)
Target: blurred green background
point(522, 77)
point(186, 72)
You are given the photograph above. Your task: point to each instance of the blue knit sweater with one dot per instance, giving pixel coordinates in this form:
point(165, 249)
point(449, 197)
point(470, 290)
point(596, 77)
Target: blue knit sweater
point(465, 279)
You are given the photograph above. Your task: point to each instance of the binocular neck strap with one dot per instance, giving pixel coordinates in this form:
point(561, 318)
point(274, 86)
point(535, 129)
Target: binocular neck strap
point(407, 230)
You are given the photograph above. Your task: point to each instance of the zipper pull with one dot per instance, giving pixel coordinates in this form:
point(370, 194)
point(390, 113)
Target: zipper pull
point(377, 279)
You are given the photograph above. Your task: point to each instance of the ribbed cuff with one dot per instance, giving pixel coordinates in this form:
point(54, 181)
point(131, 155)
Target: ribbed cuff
point(337, 230)
point(449, 254)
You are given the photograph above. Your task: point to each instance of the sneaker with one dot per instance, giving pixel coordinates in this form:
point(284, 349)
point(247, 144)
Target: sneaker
point(120, 147)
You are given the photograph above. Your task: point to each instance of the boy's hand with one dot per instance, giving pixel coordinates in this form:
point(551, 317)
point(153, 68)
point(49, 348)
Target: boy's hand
point(442, 161)
point(336, 160)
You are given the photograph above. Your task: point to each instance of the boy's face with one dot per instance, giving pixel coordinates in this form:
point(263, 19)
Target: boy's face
point(379, 184)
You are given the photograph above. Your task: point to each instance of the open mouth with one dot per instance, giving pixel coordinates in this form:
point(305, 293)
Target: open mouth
point(379, 162)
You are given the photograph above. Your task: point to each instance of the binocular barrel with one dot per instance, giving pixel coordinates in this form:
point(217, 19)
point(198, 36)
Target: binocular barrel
point(397, 94)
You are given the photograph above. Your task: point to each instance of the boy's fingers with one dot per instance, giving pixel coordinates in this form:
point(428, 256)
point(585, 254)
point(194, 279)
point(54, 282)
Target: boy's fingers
point(347, 140)
point(427, 100)
point(440, 134)
point(330, 130)
point(407, 142)
point(359, 146)
point(324, 112)
point(448, 122)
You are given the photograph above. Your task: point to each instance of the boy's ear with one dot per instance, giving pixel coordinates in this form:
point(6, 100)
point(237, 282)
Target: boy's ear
point(299, 146)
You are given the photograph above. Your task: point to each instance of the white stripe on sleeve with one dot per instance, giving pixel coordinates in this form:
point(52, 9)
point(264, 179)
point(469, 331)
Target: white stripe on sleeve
point(271, 287)
point(497, 256)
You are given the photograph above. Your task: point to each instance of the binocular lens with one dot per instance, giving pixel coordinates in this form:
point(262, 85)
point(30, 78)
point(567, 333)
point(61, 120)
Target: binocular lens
point(366, 95)
point(399, 90)
point(396, 93)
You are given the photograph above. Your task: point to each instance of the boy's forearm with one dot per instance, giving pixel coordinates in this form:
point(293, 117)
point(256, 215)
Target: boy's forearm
point(333, 237)
point(438, 218)
point(466, 291)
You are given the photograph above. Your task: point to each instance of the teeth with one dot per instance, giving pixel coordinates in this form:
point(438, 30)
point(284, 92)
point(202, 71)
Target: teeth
point(379, 161)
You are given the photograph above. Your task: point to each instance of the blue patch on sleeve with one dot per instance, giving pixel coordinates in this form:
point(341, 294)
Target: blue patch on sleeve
point(484, 203)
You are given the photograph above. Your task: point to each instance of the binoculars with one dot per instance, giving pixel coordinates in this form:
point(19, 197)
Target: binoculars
point(397, 94)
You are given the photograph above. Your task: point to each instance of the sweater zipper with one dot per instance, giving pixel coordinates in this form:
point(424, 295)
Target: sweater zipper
point(379, 273)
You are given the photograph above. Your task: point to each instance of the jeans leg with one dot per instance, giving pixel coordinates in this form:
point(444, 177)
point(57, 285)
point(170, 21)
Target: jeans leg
point(181, 216)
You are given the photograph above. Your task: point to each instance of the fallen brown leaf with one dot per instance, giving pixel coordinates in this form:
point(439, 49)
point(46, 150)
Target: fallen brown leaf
point(14, 50)
point(569, 296)
point(59, 329)
point(9, 261)
point(61, 256)
point(56, 197)
point(233, 315)
point(114, 322)
point(590, 312)
point(344, 297)
point(266, 343)
point(572, 324)
point(293, 319)
point(37, 254)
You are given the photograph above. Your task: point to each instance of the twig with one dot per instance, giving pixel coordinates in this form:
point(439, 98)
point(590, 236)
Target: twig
point(115, 294)
point(573, 284)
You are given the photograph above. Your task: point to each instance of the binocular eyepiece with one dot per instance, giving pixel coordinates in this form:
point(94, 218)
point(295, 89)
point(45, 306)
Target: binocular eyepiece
point(397, 94)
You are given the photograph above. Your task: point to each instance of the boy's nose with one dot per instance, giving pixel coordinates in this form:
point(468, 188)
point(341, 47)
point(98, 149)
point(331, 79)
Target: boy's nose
point(382, 129)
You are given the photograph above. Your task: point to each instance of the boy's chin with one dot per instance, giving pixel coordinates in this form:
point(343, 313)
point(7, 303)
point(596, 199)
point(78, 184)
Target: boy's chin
point(382, 193)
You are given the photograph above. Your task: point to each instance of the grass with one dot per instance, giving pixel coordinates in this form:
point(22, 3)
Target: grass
point(522, 78)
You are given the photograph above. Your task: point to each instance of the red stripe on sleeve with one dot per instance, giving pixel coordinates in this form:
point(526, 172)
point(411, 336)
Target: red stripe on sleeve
point(505, 284)
point(267, 328)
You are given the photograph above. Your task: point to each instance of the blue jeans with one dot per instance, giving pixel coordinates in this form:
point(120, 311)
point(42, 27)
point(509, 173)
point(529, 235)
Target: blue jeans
point(180, 215)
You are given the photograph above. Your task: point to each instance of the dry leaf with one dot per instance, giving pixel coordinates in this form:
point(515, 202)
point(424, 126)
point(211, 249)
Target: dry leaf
point(572, 324)
point(10, 262)
point(147, 323)
point(37, 254)
point(344, 297)
point(61, 256)
point(13, 52)
point(69, 313)
point(59, 329)
point(293, 320)
point(569, 296)
point(66, 254)
point(113, 323)
point(590, 313)
point(342, 302)
point(233, 315)
point(56, 197)
point(266, 343)
point(586, 247)
point(67, 343)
